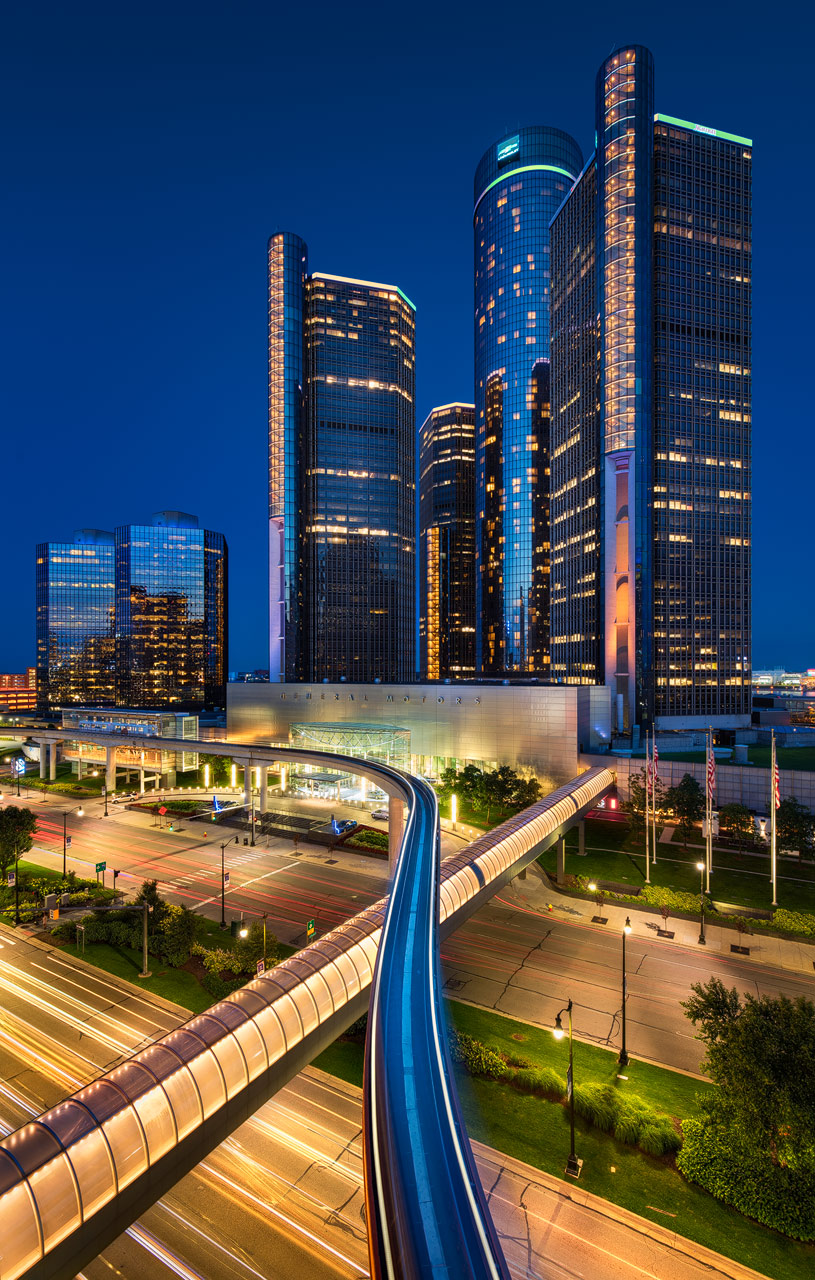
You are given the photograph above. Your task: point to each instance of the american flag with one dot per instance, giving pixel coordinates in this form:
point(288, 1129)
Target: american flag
point(656, 759)
point(711, 773)
point(776, 785)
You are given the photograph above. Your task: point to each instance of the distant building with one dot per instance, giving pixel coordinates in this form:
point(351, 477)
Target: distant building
point(137, 618)
point(519, 184)
point(651, 414)
point(75, 602)
point(447, 543)
point(18, 691)
point(171, 613)
point(341, 473)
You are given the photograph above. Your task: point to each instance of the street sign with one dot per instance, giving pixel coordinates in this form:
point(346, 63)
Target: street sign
point(568, 1084)
point(226, 879)
point(67, 842)
point(100, 866)
point(11, 879)
point(310, 929)
point(162, 809)
point(18, 764)
point(261, 967)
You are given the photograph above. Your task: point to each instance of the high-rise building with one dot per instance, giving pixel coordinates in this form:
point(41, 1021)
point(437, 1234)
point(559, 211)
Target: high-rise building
point(171, 613)
point(75, 601)
point(651, 413)
point(519, 184)
point(18, 690)
point(341, 473)
point(447, 543)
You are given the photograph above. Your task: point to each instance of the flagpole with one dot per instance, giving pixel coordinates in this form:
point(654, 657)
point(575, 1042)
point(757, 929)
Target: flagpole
point(773, 808)
point(647, 822)
point(708, 807)
point(654, 794)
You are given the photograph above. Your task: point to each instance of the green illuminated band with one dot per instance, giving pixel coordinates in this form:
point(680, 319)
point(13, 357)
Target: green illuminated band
point(369, 284)
point(703, 128)
point(525, 168)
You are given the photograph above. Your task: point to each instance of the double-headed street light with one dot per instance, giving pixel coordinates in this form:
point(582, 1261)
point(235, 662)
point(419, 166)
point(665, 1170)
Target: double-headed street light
point(700, 867)
point(80, 813)
point(623, 1058)
point(572, 1164)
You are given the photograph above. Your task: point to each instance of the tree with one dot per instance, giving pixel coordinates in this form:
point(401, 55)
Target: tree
point(760, 1052)
point(526, 792)
point(795, 826)
point(687, 802)
point(17, 827)
point(634, 806)
point(250, 949)
point(219, 768)
point(149, 893)
point(736, 821)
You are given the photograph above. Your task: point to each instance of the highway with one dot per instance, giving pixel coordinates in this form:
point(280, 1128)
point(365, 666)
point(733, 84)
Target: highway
point(283, 1196)
point(513, 956)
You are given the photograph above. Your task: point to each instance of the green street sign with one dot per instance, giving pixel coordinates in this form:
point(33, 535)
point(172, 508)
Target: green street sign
point(100, 866)
point(310, 929)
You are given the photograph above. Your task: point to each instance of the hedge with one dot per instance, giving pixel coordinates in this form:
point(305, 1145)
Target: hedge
point(368, 837)
point(627, 1116)
point(738, 1175)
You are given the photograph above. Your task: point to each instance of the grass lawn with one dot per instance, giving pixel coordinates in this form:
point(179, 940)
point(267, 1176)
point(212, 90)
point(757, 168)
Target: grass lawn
point(173, 984)
point(537, 1132)
point(475, 817)
point(612, 853)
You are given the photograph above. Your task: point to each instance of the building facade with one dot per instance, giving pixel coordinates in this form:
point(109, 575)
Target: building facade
point(171, 613)
point(534, 728)
point(18, 690)
point(75, 604)
point(341, 473)
point(651, 414)
point(447, 543)
point(519, 184)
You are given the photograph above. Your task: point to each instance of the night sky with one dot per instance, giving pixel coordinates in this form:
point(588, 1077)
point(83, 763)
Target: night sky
point(149, 151)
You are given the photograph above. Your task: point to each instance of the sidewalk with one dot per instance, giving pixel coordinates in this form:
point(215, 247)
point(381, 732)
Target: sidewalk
point(535, 893)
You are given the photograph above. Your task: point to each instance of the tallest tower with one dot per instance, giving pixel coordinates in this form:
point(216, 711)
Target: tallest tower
point(519, 184)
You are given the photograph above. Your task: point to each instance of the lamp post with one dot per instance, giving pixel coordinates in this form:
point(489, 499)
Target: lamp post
point(80, 813)
point(700, 867)
point(223, 880)
point(265, 914)
point(623, 1058)
point(105, 794)
point(572, 1164)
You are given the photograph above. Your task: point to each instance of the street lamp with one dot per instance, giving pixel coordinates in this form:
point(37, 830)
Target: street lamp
point(623, 1058)
point(223, 880)
point(243, 932)
point(700, 867)
point(572, 1164)
point(80, 813)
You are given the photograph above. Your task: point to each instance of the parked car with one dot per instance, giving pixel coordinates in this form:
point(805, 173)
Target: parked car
point(380, 815)
point(344, 824)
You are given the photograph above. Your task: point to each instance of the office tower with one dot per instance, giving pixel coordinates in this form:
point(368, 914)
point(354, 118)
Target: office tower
point(341, 473)
point(651, 473)
point(171, 613)
point(519, 184)
point(75, 608)
point(447, 542)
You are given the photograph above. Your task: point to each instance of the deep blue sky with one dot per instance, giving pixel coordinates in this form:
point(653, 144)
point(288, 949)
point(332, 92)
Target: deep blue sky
point(150, 150)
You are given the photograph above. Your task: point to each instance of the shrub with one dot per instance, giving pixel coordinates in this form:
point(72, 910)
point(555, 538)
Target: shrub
point(369, 837)
point(801, 922)
point(475, 1057)
point(629, 1125)
point(734, 1171)
point(659, 1138)
point(543, 1081)
point(220, 988)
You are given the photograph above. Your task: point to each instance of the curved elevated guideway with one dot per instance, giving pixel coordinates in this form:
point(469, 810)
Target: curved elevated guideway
point(76, 1177)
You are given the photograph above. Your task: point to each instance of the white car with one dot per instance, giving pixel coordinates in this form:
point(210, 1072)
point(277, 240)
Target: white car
point(380, 815)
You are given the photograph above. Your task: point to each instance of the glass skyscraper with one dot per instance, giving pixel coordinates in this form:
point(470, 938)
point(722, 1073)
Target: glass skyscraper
point(171, 613)
point(651, 414)
point(447, 543)
point(75, 601)
point(519, 184)
point(341, 473)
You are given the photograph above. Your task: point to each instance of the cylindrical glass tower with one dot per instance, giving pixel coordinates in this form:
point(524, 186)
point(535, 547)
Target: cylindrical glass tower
point(519, 184)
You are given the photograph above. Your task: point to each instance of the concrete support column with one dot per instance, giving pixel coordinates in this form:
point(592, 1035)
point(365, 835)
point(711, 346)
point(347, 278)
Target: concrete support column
point(141, 781)
point(264, 788)
point(581, 838)
point(52, 764)
point(43, 750)
point(561, 859)
point(396, 825)
point(247, 782)
point(110, 769)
